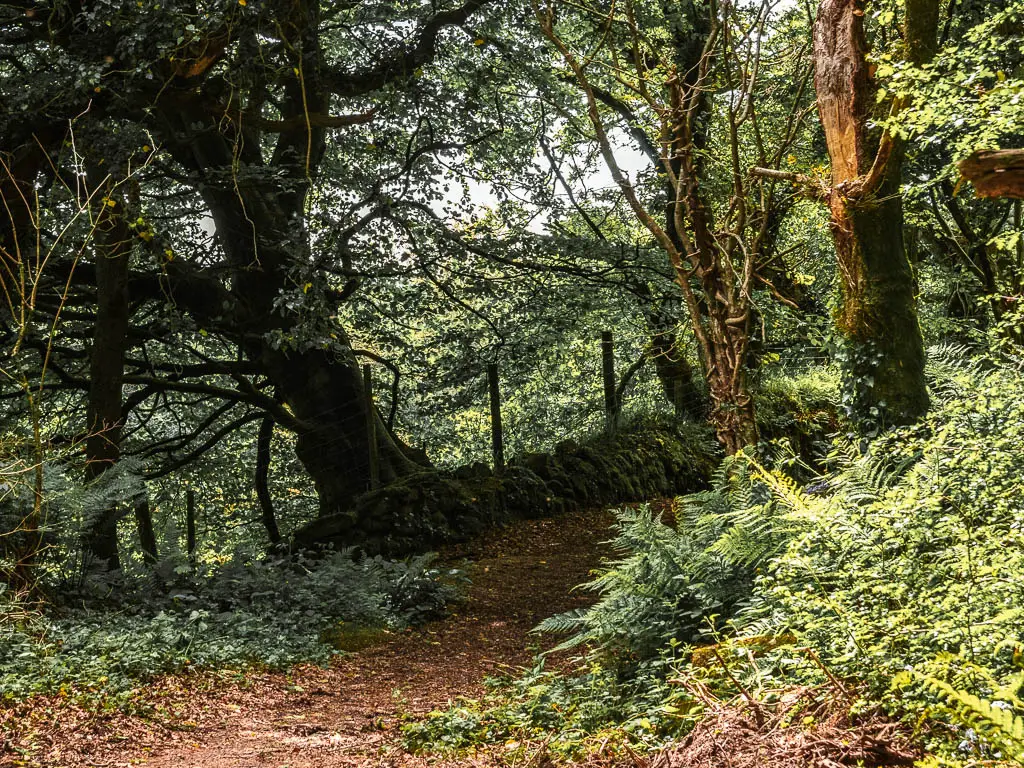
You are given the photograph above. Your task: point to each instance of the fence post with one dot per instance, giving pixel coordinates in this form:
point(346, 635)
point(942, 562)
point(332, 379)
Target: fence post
point(497, 436)
point(371, 428)
point(144, 524)
point(190, 526)
point(608, 373)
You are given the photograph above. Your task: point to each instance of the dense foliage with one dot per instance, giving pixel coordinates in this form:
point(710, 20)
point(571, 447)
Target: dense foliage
point(764, 584)
point(275, 276)
point(107, 640)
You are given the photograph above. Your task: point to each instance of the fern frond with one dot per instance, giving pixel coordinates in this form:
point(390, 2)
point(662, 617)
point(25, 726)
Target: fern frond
point(993, 718)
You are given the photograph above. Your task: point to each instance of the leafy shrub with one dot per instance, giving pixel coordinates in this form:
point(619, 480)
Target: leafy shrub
point(800, 407)
point(668, 583)
point(1001, 729)
point(665, 592)
point(899, 574)
point(66, 509)
point(265, 612)
point(915, 555)
point(598, 703)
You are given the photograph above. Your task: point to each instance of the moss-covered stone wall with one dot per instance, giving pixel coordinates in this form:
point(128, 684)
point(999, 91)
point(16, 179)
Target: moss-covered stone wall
point(425, 510)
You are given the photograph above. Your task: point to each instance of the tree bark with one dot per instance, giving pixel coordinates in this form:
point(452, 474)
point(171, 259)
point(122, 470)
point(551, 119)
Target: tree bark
point(676, 375)
point(722, 318)
point(996, 173)
point(106, 373)
point(190, 526)
point(147, 535)
point(263, 438)
point(253, 173)
point(325, 391)
point(260, 228)
point(24, 162)
point(877, 315)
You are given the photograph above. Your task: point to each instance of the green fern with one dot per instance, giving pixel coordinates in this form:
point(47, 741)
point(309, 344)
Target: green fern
point(994, 718)
point(668, 583)
point(953, 371)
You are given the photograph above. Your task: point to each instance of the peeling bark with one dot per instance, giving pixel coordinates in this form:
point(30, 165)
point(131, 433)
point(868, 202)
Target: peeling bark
point(877, 315)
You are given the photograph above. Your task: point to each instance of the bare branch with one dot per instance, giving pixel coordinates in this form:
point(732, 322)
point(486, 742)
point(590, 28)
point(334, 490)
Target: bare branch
point(808, 186)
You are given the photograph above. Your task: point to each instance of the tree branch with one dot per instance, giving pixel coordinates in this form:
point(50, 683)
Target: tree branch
point(998, 173)
point(404, 62)
point(808, 186)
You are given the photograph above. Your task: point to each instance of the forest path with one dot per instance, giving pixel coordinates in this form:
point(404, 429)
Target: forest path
point(348, 714)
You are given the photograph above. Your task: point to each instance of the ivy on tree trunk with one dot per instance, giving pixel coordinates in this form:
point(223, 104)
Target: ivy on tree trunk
point(884, 356)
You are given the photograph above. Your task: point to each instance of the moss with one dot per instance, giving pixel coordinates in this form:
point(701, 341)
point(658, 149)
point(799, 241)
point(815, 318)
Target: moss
point(884, 356)
point(429, 509)
point(345, 636)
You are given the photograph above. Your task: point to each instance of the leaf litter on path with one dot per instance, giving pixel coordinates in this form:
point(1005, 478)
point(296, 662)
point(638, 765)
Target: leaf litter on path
point(348, 713)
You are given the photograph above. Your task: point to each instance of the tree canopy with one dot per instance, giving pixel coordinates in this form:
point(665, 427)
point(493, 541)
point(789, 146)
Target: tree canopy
point(291, 291)
point(216, 215)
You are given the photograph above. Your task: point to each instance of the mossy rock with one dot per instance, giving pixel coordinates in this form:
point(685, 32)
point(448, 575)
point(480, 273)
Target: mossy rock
point(431, 508)
point(350, 638)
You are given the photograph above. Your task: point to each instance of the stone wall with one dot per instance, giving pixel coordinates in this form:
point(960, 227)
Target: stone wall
point(425, 510)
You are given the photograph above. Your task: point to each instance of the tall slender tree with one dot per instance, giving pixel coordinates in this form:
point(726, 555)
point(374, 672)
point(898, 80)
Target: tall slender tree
point(668, 61)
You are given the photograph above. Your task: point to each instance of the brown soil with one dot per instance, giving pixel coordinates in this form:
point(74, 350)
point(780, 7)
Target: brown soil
point(347, 714)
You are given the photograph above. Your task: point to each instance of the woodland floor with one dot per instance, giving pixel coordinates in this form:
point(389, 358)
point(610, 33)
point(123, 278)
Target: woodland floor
point(347, 714)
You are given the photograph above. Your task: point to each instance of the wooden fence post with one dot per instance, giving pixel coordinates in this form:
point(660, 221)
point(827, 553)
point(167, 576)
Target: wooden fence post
point(371, 428)
point(611, 409)
point(190, 526)
point(497, 436)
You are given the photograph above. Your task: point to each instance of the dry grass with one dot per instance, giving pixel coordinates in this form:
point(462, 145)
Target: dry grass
point(805, 728)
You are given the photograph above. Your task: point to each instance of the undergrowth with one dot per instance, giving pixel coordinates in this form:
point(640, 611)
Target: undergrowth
point(106, 638)
point(895, 582)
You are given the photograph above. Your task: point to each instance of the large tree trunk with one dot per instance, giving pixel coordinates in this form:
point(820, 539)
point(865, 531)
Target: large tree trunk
point(257, 197)
point(324, 389)
point(106, 373)
point(21, 166)
point(676, 375)
point(17, 179)
point(23, 163)
point(321, 384)
point(260, 225)
point(878, 315)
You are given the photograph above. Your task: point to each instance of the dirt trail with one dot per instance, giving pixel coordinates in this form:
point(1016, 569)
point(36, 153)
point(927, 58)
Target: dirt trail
point(347, 715)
